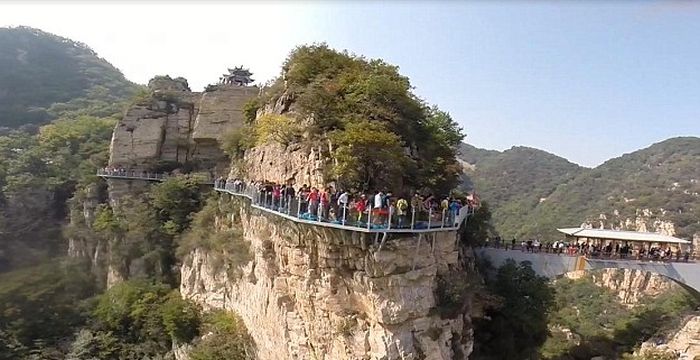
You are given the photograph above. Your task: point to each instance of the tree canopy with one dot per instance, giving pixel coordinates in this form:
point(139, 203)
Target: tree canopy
point(337, 95)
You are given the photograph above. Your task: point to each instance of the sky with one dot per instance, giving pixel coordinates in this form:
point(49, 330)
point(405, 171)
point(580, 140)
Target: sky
point(588, 81)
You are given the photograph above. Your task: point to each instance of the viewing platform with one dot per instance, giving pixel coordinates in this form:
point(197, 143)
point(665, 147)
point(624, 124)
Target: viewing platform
point(389, 223)
point(553, 265)
point(146, 176)
point(386, 222)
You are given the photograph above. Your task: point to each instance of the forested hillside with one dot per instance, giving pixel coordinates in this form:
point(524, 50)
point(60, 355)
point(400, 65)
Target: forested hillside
point(515, 182)
point(43, 76)
point(532, 192)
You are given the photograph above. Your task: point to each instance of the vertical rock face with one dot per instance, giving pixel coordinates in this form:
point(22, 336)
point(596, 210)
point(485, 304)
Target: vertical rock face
point(178, 126)
point(318, 293)
point(633, 285)
point(173, 127)
point(296, 164)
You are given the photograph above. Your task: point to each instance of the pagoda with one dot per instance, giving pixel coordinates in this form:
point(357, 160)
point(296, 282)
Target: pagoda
point(237, 76)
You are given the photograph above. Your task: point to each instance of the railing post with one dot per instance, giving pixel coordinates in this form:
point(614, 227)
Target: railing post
point(299, 208)
point(344, 213)
point(369, 217)
point(388, 221)
point(289, 205)
point(430, 216)
point(444, 211)
point(413, 216)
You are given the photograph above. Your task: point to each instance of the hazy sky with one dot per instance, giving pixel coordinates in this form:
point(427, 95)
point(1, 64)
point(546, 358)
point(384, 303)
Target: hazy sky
point(587, 81)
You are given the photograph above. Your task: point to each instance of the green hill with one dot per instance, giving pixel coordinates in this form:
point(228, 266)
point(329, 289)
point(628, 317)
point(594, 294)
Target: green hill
point(515, 181)
point(43, 76)
point(532, 192)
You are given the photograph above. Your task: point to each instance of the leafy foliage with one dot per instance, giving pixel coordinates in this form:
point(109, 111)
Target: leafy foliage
point(516, 326)
point(227, 338)
point(368, 156)
point(479, 227)
point(604, 326)
point(40, 306)
point(532, 192)
point(43, 76)
point(137, 319)
point(226, 244)
point(38, 173)
point(335, 95)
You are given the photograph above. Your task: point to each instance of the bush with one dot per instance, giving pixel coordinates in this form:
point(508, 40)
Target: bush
point(226, 244)
point(146, 317)
point(368, 157)
point(517, 325)
point(226, 337)
point(276, 128)
point(237, 141)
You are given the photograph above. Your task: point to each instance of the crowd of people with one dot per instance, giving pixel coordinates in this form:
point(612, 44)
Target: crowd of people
point(372, 209)
point(610, 250)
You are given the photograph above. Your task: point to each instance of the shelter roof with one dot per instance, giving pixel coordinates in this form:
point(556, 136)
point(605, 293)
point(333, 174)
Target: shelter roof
point(621, 235)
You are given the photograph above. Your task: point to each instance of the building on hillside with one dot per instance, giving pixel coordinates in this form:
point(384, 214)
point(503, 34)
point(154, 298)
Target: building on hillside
point(238, 76)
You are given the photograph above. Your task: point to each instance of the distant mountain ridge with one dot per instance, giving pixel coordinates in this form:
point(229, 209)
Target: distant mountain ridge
point(532, 192)
point(43, 76)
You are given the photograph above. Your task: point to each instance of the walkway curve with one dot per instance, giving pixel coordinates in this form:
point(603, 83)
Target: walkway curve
point(252, 194)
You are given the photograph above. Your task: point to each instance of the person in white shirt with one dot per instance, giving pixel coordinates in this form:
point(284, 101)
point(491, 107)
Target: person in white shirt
point(378, 200)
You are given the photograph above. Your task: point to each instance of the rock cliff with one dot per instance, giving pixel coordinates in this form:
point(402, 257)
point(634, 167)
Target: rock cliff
point(631, 286)
point(319, 293)
point(168, 128)
point(178, 127)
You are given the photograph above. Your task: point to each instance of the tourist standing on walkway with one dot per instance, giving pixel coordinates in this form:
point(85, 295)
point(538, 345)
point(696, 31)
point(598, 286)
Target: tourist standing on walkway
point(324, 201)
point(401, 211)
point(313, 200)
point(361, 206)
point(343, 200)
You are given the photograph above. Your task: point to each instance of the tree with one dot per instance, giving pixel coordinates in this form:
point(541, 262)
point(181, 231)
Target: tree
point(515, 327)
point(175, 200)
point(227, 338)
point(478, 227)
point(368, 157)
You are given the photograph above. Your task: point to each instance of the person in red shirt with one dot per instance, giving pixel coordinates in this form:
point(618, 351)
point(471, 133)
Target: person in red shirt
point(325, 200)
point(313, 199)
point(361, 206)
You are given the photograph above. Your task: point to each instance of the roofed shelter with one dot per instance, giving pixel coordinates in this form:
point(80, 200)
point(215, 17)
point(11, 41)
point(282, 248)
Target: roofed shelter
point(619, 235)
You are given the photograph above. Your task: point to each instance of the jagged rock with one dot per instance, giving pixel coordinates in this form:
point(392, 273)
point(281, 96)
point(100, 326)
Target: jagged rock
point(633, 285)
point(319, 293)
point(274, 162)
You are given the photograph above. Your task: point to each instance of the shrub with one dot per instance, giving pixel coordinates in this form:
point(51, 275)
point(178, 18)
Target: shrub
point(226, 338)
point(276, 128)
point(237, 141)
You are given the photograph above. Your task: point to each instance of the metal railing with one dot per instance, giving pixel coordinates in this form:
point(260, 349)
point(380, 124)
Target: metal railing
point(572, 250)
point(146, 176)
point(342, 216)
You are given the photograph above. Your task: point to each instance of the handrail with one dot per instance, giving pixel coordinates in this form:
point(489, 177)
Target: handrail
point(134, 175)
point(290, 209)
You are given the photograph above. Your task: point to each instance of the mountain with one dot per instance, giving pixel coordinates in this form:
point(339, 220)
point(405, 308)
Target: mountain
point(43, 76)
point(532, 192)
point(514, 182)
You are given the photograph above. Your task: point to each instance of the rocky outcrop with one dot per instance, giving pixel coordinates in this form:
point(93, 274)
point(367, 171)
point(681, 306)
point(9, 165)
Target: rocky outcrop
point(631, 286)
point(296, 165)
point(319, 293)
point(685, 343)
point(176, 126)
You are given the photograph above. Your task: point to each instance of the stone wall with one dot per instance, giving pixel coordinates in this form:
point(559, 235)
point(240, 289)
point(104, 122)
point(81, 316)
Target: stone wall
point(319, 293)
